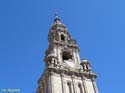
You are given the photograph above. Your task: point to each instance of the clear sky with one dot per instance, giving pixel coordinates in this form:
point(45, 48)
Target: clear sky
point(97, 25)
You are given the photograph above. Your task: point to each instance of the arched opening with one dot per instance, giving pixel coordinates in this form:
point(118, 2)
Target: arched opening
point(79, 88)
point(87, 66)
point(69, 87)
point(66, 55)
point(62, 37)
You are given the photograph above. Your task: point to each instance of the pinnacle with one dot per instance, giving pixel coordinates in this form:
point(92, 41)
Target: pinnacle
point(56, 19)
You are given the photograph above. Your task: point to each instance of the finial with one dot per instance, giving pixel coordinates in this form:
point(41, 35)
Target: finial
point(56, 17)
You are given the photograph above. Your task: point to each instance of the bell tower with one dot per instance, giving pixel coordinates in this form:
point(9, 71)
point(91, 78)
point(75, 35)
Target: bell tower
point(65, 72)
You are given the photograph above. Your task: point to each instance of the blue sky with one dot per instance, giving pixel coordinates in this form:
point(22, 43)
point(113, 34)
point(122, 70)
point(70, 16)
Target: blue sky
point(97, 25)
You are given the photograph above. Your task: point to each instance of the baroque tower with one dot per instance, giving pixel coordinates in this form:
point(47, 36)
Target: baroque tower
point(65, 72)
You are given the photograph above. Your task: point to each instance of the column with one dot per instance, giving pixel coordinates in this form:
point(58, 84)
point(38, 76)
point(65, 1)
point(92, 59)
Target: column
point(94, 85)
point(78, 57)
point(62, 81)
point(84, 85)
point(51, 89)
point(73, 83)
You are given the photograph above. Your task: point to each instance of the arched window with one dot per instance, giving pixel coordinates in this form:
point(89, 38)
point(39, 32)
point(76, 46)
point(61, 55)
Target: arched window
point(66, 55)
point(69, 88)
point(86, 66)
point(62, 37)
point(79, 88)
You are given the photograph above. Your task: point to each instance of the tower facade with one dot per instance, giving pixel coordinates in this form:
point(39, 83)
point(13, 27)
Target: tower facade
point(65, 72)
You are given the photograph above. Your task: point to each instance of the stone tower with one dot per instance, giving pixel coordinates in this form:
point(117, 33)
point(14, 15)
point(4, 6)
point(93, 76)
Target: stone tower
point(64, 72)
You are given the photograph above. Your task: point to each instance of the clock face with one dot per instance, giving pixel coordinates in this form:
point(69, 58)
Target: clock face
point(70, 63)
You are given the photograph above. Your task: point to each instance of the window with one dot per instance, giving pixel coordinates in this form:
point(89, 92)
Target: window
point(62, 37)
point(86, 66)
point(79, 88)
point(66, 55)
point(69, 87)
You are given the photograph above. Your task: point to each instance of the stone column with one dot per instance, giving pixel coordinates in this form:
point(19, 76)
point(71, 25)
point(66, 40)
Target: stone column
point(78, 57)
point(73, 83)
point(62, 81)
point(74, 54)
point(51, 90)
point(84, 85)
point(59, 56)
point(94, 85)
point(55, 50)
point(46, 81)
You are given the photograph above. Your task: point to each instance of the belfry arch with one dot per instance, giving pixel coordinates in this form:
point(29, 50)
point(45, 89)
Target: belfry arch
point(66, 55)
